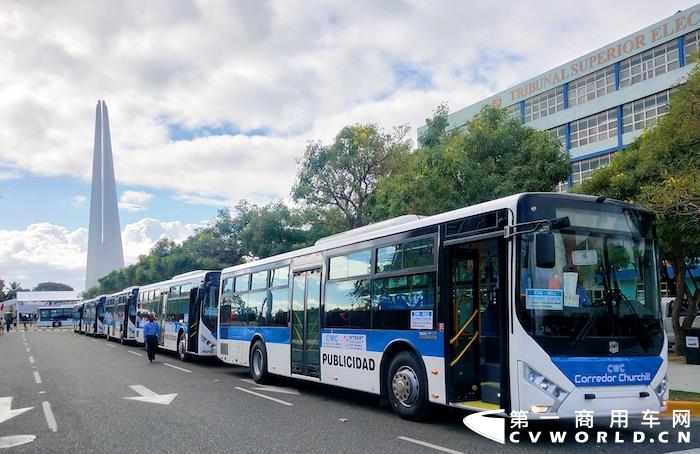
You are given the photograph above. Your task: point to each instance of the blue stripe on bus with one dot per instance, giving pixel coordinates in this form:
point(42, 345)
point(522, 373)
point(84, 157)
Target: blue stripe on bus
point(427, 343)
point(272, 334)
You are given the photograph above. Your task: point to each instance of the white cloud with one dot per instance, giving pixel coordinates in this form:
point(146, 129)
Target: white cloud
point(79, 200)
point(47, 252)
point(296, 70)
point(134, 200)
point(192, 199)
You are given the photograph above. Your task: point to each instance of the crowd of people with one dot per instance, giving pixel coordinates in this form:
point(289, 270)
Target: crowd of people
point(8, 321)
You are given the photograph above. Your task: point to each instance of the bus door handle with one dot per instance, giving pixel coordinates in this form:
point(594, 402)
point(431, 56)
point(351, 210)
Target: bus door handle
point(464, 327)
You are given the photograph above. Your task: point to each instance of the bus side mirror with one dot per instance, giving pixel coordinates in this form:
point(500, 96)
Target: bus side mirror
point(544, 247)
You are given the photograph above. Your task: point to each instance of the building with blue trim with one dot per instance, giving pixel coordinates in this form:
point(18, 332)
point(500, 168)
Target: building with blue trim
point(599, 103)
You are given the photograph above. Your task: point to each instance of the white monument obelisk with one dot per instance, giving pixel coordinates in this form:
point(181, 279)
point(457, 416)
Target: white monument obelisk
point(104, 252)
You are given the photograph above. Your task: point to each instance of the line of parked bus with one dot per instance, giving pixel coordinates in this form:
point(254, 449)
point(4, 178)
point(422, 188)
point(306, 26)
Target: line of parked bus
point(544, 303)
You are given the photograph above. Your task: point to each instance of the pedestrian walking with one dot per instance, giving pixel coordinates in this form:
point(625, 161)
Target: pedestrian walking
point(2, 326)
point(8, 322)
point(151, 332)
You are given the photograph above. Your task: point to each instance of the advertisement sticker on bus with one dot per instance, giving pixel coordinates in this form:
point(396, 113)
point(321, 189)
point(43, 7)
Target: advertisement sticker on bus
point(345, 341)
point(544, 299)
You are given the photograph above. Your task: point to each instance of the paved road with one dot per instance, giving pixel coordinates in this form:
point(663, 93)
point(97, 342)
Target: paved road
point(81, 384)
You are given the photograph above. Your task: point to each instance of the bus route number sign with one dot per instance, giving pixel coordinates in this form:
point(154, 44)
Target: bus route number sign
point(544, 299)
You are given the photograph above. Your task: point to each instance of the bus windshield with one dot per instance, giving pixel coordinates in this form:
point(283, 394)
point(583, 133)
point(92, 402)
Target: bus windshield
point(599, 296)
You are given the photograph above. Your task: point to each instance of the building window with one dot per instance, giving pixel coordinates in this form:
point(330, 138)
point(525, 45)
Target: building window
point(547, 103)
point(514, 110)
point(594, 128)
point(649, 64)
point(592, 86)
point(692, 47)
point(559, 133)
point(644, 112)
point(581, 170)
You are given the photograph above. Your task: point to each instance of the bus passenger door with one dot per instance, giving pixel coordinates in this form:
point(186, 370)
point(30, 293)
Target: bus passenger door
point(464, 325)
point(193, 321)
point(306, 317)
point(162, 302)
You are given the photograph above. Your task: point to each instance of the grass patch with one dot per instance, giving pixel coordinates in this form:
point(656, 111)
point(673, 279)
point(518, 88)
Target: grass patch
point(684, 395)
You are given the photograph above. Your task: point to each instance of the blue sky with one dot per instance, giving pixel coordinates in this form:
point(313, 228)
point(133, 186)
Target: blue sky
point(212, 102)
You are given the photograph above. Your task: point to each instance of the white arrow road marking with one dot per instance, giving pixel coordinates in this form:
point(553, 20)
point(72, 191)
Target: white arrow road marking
point(149, 396)
point(272, 389)
point(279, 401)
point(6, 412)
point(48, 414)
point(16, 440)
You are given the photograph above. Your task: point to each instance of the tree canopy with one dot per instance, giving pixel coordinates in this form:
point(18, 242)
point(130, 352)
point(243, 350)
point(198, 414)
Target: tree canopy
point(344, 174)
point(51, 286)
point(661, 171)
point(493, 156)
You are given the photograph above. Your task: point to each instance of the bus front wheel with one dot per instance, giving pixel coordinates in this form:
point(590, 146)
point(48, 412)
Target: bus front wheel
point(258, 362)
point(407, 387)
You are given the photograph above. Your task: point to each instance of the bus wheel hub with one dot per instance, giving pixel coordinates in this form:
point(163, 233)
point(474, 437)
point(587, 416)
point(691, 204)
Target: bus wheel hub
point(405, 386)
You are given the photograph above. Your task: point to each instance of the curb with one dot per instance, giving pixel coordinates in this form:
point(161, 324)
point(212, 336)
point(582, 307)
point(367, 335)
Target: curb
point(694, 407)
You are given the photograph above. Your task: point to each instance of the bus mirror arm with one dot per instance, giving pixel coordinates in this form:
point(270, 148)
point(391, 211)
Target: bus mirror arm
point(539, 226)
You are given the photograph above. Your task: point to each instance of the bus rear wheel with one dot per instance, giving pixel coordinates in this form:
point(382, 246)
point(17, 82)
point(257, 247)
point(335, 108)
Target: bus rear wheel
point(182, 348)
point(258, 363)
point(407, 386)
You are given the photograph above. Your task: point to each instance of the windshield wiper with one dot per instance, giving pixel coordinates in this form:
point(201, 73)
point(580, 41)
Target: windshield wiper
point(640, 333)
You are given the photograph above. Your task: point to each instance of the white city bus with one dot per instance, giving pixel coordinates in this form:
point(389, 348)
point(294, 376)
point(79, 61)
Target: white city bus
point(186, 309)
point(78, 316)
point(545, 303)
point(55, 316)
point(120, 315)
point(94, 317)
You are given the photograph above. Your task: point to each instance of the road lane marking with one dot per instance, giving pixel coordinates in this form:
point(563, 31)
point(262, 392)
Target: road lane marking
point(178, 368)
point(93, 340)
point(37, 378)
point(48, 414)
point(42, 392)
point(279, 401)
point(271, 388)
point(15, 440)
point(430, 445)
point(110, 345)
point(28, 351)
point(31, 359)
point(135, 353)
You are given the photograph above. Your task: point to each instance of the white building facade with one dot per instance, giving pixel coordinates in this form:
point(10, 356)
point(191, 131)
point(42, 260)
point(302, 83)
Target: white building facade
point(599, 103)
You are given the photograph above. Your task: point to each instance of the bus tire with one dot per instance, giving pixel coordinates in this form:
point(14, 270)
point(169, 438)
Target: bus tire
point(258, 363)
point(407, 386)
point(182, 348)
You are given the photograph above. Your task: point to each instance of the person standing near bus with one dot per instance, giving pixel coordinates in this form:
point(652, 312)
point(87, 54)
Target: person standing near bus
point(151, 332)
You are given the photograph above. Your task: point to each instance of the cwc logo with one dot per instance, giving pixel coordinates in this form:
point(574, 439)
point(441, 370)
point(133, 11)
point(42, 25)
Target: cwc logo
point(491, 428)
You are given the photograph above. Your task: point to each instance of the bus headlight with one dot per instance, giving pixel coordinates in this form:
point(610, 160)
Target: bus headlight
point(662, 387)
point(544, 384)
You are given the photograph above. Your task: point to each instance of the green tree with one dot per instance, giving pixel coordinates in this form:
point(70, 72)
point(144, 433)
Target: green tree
point(2, 290)
point(344, 174)
point(51, 286)
point(12, 290)
point(661, 171)
point(493, 156)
